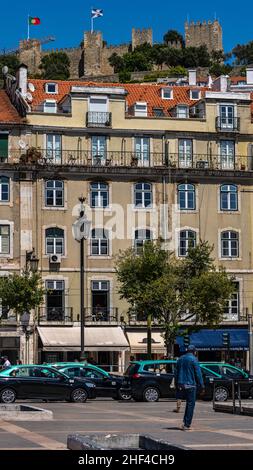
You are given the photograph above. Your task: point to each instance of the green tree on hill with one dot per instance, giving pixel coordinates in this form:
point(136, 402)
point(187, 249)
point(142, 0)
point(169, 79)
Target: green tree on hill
point(173, 36)
point(11, 61)
point(55, 66)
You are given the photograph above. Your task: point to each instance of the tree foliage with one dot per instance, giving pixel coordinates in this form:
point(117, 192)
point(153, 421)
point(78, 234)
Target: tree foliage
point(243, 53)
point(12, 62)
point(173, 290)
point(173, 36)
point(21, 293)
point(55, 66)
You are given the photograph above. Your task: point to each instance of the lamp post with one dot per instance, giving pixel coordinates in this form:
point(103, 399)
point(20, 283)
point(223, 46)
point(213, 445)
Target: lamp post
point(31, 261)
point(250, 343)
point(28, 330)
point(81, 230)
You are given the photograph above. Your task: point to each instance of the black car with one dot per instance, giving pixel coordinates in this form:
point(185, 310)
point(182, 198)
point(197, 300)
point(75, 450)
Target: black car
point(151, 380)
point(107, 384)
point(233, 373)
point(33, 381)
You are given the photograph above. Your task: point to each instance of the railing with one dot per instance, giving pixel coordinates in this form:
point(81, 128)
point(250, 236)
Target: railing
point(114, 159)
point(102, 314)
point(8, 318)
point(227, 124)
point(55, 315)
point(57, 109)
point(97, 119)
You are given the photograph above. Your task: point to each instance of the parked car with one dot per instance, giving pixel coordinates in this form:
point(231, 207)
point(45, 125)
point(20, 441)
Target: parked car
point(107, 385)
point(151, 380)
point(34, 381)
point(228, 371)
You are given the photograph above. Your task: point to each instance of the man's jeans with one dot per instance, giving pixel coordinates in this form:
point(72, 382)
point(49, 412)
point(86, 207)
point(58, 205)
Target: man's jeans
point(190, 397)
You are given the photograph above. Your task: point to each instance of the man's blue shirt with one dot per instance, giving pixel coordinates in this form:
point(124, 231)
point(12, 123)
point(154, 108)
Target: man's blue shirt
point(188, 371)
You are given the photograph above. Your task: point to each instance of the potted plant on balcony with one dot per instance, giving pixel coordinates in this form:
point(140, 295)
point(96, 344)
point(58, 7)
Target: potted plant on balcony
point(134, 160)
point(32, 156)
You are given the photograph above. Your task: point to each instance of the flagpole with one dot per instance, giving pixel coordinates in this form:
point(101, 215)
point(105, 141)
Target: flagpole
point(92, 24)
point(28, 28)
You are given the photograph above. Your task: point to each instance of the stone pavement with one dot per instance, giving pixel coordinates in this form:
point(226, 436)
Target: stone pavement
point(210, 430)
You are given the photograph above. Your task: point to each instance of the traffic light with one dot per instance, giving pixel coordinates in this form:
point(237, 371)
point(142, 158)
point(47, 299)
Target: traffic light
point(186, 341)
point(226, 339)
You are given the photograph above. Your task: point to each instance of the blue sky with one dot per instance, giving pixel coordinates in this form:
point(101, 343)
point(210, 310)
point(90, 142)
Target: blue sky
point(67, 20)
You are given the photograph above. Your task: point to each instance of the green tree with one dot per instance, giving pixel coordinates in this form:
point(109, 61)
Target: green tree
point(55, 66)
point(116, 62)
point(157, 285)
point(11, 61)
point(243, 53)
point(173, 36)
point(21, 293)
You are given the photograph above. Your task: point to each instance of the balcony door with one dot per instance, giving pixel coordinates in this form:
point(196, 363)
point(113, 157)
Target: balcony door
point(55, 297)
point(53, 148)
point(227, 154)
point(185, 153)
point(142, 150)
point(100, 292)
point(98, 145)
point(98, 110)
point(227, 114)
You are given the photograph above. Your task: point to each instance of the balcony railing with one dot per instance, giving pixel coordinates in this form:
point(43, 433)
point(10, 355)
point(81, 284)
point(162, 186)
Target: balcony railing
point(55, 315)
point(115, 159)
point(8, 318)
point(227, 124)
point(102, 314)
point(97, 119)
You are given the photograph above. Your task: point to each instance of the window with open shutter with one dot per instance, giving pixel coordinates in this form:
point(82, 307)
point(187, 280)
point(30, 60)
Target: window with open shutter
point(3, 146)
point(4, 239)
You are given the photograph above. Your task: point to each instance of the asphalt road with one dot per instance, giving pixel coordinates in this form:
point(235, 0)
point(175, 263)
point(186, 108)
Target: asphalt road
point(211, 430)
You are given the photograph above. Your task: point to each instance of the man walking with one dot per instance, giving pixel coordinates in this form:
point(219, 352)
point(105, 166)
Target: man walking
point(187, 377)
point(6, 363)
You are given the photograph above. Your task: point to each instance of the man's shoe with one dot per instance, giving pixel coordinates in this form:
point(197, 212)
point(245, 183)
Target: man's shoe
point(176, 410)
point(185, 428)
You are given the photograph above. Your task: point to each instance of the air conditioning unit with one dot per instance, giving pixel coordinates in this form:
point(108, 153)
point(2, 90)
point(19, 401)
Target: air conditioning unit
point(202, 164)
point(55, 259)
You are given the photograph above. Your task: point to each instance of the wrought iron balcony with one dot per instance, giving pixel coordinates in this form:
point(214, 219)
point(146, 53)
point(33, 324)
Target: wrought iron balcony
point(55, 315)
point(227, 124)
point(7, 317)
point(102, 315)
point(97, 119)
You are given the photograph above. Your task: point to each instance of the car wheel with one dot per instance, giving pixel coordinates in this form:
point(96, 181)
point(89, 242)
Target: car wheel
point(79, 395)
point(126, 396)
point(7, 395)
point(151, 394)
point(221, 394)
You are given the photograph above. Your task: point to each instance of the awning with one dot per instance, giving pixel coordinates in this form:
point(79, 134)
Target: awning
point(95, 339)
point(138, 342)
point(211, 340)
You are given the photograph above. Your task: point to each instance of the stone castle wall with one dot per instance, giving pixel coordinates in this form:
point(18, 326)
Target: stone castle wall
point(209, 33)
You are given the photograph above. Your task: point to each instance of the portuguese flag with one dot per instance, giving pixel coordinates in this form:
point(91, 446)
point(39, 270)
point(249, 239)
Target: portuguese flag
point(34, 21)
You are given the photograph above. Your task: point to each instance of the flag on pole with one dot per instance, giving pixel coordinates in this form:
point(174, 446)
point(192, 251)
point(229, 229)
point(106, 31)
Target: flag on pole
point(34, 20)
point(96, 12)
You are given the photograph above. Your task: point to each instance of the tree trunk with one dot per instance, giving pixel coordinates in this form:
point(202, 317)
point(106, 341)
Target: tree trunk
point(149, 337)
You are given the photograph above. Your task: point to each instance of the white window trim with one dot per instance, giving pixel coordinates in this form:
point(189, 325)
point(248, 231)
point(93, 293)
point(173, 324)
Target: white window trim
point(144, 113)
point(188, 211)
point(142, 208)
point(143, 227)
point(45, 107)
point(11, 224)
point(65, 199)
point(10, 202)
point(98, 97)
point(182, 106)
point(229, 229)
point(241, 304)
point(199, 95)
point(100, 277)
point(171, 93)
point(220, 211)
point(109, 256)
point(64, 228)
point(177, 234)
point(51, 92)
point(58, 277)
point(107, 208)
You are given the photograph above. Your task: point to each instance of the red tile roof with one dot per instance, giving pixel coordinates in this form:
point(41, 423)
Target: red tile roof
point(149, 93)
point(8, 114)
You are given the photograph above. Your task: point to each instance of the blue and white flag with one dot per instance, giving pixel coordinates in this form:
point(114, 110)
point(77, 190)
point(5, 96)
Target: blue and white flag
point(96, 12)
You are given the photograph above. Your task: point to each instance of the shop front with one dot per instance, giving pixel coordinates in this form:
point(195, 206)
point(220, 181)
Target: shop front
point(138, 345)
point(104, 346)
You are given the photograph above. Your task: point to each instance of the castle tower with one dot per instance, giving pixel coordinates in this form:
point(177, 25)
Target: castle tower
point(30, 54)
point(209, 33)
point(92, 50)
point(141, 36)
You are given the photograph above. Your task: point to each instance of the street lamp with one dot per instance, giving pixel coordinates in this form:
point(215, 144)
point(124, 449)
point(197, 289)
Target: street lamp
point(81, 230)
point(31, 261)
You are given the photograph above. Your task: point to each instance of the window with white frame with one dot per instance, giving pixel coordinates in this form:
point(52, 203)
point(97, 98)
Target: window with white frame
point(54, 148)
point(50, 106)
point(99, 195)
point(186, 196)
point(195, 94)
point(187, 239)
point(142, 150)
point(98, 149)
point(227, 116)
point(51, 88)
point(54, 241)
point(229, 244)
point(99, 242)
point(54, 193)
point(232, 309)
point(182, 111)
point(141, 236)
point(4, 189)
point(185, 153)
point(140, 109)
point(4, 239)
point(227, 154)
point(228, 197)
point(167, 93)
point(143, 195)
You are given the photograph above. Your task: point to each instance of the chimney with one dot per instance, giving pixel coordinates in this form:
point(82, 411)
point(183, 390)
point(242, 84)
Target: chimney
point(22, 78)
point(192, 76)
point(249, 75)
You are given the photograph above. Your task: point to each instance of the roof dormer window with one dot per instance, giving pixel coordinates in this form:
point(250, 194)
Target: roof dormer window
point(51, 88)
point(140, 109)
point(50, 106)
point(167, 93)
point(182, 111)
point(194, 94)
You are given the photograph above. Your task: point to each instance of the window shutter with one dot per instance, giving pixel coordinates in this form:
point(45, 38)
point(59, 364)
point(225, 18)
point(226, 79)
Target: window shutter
point(3, 146)
point(250, 156)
